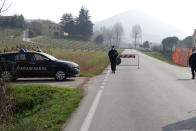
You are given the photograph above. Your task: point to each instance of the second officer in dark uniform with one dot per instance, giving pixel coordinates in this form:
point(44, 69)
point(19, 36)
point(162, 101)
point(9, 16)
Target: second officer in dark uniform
point(192, 63)
point(113, 58)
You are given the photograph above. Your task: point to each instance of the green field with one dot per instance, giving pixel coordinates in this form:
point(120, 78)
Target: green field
point(48, 43)
point(41, 107)
point(9, 37)
point(6, 34)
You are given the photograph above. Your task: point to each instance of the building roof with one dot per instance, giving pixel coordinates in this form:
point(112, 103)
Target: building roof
point(4, 18)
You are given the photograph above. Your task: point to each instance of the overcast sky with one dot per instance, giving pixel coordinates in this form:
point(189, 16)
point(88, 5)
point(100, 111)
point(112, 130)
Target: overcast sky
point(181, 13)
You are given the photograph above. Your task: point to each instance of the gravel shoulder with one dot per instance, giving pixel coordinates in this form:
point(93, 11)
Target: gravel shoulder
point(69, 83)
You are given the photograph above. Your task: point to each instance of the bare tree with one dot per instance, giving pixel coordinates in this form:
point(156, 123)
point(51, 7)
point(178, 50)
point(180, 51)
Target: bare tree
point(136, 33)
point(117, 32)
point(3, 6)
point(112, 35)
point(107, 34)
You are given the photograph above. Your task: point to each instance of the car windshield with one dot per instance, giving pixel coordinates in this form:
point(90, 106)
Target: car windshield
point(49, 56)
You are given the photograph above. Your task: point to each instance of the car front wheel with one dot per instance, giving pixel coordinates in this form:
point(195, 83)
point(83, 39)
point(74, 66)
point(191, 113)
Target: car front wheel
point(60, 75)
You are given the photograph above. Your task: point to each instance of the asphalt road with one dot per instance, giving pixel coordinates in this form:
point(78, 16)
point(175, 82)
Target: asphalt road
point(156, 97)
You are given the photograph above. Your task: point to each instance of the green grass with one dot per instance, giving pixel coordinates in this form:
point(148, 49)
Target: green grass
point(47, 42)
point(6, 33)
point(7, 36)
point(86, 74)
point(42, 107)
point(159, 57)
point(91, 63)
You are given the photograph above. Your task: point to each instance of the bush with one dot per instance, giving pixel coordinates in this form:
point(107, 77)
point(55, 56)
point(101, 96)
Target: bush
point(32, 34)
point(157, 48)
point(7, 103)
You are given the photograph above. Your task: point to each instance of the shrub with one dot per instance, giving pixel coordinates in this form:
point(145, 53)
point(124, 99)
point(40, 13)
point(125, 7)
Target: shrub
point(7, 103)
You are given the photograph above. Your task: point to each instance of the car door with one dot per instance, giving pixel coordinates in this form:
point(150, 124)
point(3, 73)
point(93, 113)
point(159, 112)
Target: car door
point(41, 65)
point(22, 63)
point(7, 62)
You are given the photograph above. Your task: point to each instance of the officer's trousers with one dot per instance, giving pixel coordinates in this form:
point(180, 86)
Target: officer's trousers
point(193, 72)
point(113, 66)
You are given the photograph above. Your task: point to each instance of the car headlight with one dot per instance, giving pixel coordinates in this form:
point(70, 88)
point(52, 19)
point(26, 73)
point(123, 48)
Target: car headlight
point(73, 66)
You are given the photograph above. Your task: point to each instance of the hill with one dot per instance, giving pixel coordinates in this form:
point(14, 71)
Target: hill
point(153, 29)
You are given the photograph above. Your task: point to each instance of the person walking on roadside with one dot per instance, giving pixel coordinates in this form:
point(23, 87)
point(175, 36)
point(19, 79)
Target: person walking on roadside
point(192, 62)
point(113, 58)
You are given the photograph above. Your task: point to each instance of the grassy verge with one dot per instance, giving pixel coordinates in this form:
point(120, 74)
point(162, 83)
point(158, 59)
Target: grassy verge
point(91, 63)
point(159, 57)
point(42, 107)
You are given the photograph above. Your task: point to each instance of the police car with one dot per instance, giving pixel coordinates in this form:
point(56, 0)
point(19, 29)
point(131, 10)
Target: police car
point(35, 64)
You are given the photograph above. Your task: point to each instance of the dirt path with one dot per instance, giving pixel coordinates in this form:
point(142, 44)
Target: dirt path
point(70, 83)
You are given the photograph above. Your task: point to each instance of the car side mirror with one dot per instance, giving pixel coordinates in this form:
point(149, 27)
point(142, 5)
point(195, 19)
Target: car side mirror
point(46, 60)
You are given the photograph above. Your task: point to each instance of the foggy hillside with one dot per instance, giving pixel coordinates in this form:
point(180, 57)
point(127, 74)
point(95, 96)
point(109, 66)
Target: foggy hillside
point(153, 29)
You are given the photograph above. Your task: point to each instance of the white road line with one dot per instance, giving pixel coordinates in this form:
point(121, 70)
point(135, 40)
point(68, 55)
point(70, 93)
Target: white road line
point(86, 124)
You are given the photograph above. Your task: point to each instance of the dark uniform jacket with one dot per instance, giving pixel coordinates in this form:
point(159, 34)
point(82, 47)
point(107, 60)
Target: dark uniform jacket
point(192, 61)
point(113, 55)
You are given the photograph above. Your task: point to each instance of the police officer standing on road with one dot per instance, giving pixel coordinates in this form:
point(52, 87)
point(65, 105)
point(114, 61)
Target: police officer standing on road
point(113, 58)
point(192, 63)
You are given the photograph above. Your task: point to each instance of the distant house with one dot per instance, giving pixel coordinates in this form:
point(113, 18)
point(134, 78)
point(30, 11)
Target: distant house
point(54, 30)
point(5, 19)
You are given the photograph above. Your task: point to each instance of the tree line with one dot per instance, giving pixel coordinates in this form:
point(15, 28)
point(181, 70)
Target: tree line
point(79, 27)
point(109, 36)
point(167, 46)
point(113, 35)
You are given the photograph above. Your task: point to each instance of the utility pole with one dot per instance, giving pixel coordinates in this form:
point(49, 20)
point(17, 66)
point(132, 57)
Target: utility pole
point(135, 38)
point(117, 42)
point(194, 38)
